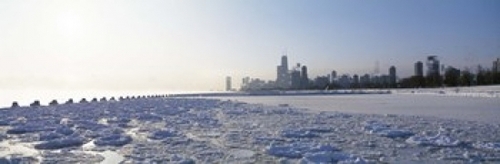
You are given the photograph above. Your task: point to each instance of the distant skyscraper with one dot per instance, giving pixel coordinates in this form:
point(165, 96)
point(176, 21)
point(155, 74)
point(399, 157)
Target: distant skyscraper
point(333, 76)
point(228, 83)
point(284, 61)
point(304, 82)
point(364, 80)
point(496, 65)
point(283, 76)
point(433, 72)
point(419, 69)
point(433, 66)
point(344, 81)
point(321, 82)
point(392, 76)
point(355, 80)
point(295, 75)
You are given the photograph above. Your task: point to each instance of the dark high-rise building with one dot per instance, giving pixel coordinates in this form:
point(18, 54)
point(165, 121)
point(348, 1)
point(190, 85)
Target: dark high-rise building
point(304, 79)
point(433, 66)
point(433, 71)
point(496, 65)
point(296, 80)
point(283, 76)
point(344, 81)
point(321, 82)
point(228, 83)
point(419, 69)
point(284, 61)
point(364, 81)
point(392, 76)
point(333, 76)
point(355, 81)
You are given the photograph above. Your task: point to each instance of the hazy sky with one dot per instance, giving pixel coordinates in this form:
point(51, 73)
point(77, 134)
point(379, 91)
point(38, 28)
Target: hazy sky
point(193, 45)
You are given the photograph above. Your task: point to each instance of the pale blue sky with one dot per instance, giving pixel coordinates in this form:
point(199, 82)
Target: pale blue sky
point(193, 45)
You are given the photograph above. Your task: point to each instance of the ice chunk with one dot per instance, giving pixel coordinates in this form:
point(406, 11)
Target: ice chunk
point(330, 157)
point(28, 128)
point(320, 129)
point(300, 133)
point(284, 151)
point(113, 140)
point(64, 130)
point(177, 159)
point(47, 136)
point(149, 117)
point(17, 159)
point(437, 140)
point(375, 127)
point(395, 133)
point(162, 134)
point(495, 146)
point(89, 125)
point(296, 150)
point(120, 120)
point(4, 123)
point(266, 140)
point(241, 153)
point(61, 143)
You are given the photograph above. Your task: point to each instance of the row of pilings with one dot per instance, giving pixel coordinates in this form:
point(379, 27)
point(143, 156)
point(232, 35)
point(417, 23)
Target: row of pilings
point(54, 102)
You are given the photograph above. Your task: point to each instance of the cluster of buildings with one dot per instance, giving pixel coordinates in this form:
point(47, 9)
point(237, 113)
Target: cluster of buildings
point(437, 75)
point(433, 74)
point(296, 78)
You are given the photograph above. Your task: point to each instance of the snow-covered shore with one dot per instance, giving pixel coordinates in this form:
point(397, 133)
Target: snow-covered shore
point(195, 130)
point(476, 91)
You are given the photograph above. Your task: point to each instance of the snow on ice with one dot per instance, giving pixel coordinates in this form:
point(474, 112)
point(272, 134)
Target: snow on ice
point(196, 130)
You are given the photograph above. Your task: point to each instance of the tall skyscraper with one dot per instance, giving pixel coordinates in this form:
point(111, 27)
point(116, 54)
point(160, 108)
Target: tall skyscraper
point(228, 83)
point(392, 76)
point(283, 75)
point(284, 61)
point(304, 82)
point(419, 69)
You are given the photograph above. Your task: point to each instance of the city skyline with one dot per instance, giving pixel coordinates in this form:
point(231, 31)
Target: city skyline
point(193, 45)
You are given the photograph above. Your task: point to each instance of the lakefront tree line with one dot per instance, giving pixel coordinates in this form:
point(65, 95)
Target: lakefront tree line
point(453, 77)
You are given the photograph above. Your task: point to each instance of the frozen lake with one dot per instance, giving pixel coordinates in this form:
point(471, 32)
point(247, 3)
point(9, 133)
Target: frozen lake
point(200, 130)
point(466, 108)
